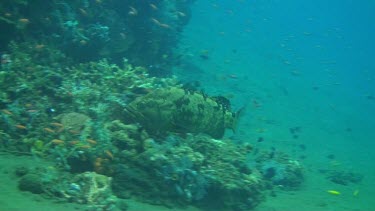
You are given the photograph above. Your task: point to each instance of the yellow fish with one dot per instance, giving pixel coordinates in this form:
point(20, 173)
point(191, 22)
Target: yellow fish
point(355, 193)
point(333, 192)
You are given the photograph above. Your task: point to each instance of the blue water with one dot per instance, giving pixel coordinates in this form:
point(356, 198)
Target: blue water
point(293, 63)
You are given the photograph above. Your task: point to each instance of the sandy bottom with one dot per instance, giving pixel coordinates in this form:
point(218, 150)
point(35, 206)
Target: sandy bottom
point(311, 196)
point(11, 199)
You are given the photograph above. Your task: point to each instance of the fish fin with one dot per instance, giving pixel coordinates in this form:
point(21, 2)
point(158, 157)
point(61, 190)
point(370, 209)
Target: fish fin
point(237, 116)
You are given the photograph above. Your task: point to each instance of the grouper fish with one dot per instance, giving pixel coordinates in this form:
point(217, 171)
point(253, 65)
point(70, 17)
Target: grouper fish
point(178, 110)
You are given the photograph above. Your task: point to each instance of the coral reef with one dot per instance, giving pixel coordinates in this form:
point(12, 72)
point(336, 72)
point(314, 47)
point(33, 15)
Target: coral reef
point(127, 136)
point(39, 122)
point(94, 121)
point(144, 31)
point(197, 169)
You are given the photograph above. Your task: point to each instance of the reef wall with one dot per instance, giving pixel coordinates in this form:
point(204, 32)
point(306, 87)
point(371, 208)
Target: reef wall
point(144, 32)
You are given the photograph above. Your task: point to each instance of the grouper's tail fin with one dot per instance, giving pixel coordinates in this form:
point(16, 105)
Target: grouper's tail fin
point(237, 116)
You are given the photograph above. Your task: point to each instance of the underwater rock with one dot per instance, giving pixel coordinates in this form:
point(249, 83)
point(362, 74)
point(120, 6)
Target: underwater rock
point(90, 188)
point(21, 171)
point(344, 177)
point(280, 170)
point(32, 183)
point(180, 111)
point(85, 188)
